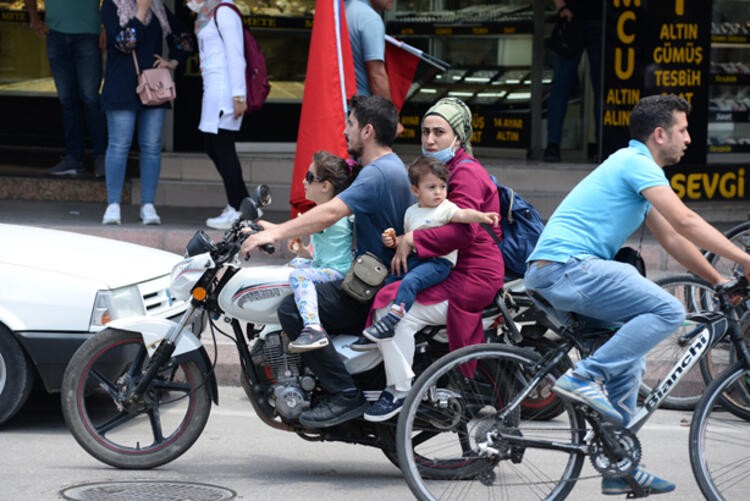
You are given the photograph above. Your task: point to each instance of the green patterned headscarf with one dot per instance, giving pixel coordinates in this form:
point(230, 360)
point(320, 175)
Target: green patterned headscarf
point(458, 115)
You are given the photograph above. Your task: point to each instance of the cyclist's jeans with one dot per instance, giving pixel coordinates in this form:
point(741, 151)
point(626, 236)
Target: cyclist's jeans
point(615, 293)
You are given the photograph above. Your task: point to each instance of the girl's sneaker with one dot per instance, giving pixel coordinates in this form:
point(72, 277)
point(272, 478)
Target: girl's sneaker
point(309, 339)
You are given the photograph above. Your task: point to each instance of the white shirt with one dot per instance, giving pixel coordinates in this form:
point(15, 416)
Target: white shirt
point(417, 217)
point(222, 65)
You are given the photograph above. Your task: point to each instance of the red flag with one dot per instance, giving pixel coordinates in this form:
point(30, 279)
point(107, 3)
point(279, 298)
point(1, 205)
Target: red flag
point(401, 67)
point(329, 83)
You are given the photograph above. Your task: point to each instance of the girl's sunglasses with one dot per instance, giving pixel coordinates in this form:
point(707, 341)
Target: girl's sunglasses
point(310, 178)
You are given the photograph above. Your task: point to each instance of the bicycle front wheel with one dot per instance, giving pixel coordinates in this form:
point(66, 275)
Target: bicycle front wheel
point(696, 296)
point(720, 441)
point(450, 435)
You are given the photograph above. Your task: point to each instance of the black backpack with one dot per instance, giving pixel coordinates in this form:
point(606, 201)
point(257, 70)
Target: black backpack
point(522, 224)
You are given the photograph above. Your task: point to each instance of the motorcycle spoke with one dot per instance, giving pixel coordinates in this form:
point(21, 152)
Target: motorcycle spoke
point(137, 365)
point(104, 383)
point(155, 419)
point(170, 386)
point(120, 419)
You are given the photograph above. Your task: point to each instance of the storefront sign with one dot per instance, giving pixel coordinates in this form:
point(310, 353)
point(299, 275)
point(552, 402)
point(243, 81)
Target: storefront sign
point(656, 48)
point(499, 129)
point(711, 182)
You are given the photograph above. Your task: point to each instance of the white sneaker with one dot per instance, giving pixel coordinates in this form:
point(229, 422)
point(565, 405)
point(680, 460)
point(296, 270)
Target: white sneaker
point(112, 214)
point(149, 215)
point(225, 220)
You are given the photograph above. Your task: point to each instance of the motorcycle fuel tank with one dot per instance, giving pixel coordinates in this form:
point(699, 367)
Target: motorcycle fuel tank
point(253, 294)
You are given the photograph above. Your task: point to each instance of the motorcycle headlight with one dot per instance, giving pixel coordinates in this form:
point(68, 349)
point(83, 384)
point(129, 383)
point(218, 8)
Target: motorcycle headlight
point(116, 303)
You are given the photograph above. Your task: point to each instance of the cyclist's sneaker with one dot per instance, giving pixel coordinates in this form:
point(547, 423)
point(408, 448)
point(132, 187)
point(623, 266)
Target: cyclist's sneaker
point(654, 484)
point(587, 392)
point(310, 338)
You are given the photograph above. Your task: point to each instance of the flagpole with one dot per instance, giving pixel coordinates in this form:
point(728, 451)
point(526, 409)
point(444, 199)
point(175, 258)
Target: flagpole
point(428, 58)
point(339, 53)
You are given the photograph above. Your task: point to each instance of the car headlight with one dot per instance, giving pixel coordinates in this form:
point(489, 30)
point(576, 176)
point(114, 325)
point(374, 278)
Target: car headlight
point(116, 303)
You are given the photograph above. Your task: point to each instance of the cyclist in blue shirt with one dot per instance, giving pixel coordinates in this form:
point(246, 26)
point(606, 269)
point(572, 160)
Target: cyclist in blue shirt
point(572, 267)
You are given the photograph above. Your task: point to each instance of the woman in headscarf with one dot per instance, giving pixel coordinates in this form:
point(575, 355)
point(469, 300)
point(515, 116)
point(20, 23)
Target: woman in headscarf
point(141, 26)
point(222, 64)
point(478, 274)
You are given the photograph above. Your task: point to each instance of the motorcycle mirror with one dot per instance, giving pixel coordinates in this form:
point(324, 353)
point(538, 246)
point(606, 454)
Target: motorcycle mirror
point(262, 195)
point(249, 210)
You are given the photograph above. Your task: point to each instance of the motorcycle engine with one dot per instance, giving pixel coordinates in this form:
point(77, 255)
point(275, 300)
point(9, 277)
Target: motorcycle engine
point(289, 387)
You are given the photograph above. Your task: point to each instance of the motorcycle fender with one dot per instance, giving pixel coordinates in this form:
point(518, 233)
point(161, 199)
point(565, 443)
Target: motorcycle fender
point(154, 330)
point(189, 347)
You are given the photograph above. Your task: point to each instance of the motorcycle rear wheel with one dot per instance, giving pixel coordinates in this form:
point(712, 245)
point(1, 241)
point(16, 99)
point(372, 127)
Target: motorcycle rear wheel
point(152, 431)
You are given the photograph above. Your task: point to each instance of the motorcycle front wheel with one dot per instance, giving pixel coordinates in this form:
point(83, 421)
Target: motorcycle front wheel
point(148, 432)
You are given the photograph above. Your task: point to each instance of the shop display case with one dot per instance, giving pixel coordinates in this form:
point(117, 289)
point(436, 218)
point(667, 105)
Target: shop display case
point(489, 46)
point(729, 104)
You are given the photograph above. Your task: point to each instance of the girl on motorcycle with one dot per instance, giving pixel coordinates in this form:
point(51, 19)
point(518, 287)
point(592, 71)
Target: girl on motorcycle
point(331, 256)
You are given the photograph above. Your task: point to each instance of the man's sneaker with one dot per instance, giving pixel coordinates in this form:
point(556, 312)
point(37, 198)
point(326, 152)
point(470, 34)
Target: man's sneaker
point(225, 220)
point(149, 215)
point(654, 484)
point(309, 339)
point(385, 408)
point(363, 344)
point(334, 410)
point(587, 392)
point(99, 166)
point(112, 214)
point(67, 166)
point(382, 329)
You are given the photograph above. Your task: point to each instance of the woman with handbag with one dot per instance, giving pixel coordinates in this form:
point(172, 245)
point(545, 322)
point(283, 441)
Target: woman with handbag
point(478, 274)
point(222, 63)
point(136, 31)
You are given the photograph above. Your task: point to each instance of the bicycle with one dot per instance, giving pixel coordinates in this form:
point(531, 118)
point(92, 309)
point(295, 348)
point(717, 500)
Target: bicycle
point(474, 394)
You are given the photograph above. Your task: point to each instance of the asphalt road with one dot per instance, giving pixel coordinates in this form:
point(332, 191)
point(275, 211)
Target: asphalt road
point(39, 459)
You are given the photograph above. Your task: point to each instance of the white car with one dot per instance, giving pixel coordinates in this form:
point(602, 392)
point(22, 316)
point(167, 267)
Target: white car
point(59, 288)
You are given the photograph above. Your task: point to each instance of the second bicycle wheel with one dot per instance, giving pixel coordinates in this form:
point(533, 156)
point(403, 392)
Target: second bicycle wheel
point(720, 441)
point(450, 431)
point(696, 296)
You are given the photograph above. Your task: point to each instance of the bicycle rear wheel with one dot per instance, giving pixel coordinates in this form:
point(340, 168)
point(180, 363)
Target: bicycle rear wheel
point(720, 441)
point(739, 236)
point(449, 435)
point(696, 295)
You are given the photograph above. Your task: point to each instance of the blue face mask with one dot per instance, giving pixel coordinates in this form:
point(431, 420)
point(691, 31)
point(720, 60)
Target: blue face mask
point(445, 155)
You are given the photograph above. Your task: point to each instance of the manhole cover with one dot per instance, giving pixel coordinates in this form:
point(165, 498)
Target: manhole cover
point(147, 491)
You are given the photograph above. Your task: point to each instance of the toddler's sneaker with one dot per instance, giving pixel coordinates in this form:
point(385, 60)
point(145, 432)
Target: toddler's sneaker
point(654, 484)
point(309, 339)
point(112, 214)
point(225, 220)
point(387, 406)
point(385, 328)
point(587, 392)
point(149, 215)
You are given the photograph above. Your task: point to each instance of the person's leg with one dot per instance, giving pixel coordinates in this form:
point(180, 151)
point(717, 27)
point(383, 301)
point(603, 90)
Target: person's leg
point(423, 273)
point(398, 356)
point(303, 281)
point(88, 68)
point(150, 123)
point(120, 124)
point(228, 164)
point(613, 292)
point(339, 314)
point(565, 80)
point(63, 67)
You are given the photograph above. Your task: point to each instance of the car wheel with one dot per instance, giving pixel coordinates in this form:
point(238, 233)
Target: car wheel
point(16, 376)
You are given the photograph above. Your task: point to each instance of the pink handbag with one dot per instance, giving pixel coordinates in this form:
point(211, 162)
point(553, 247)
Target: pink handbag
point(155, 85)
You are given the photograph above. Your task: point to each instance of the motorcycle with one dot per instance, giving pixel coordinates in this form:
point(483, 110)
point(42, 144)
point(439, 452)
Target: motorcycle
point(138, 394)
